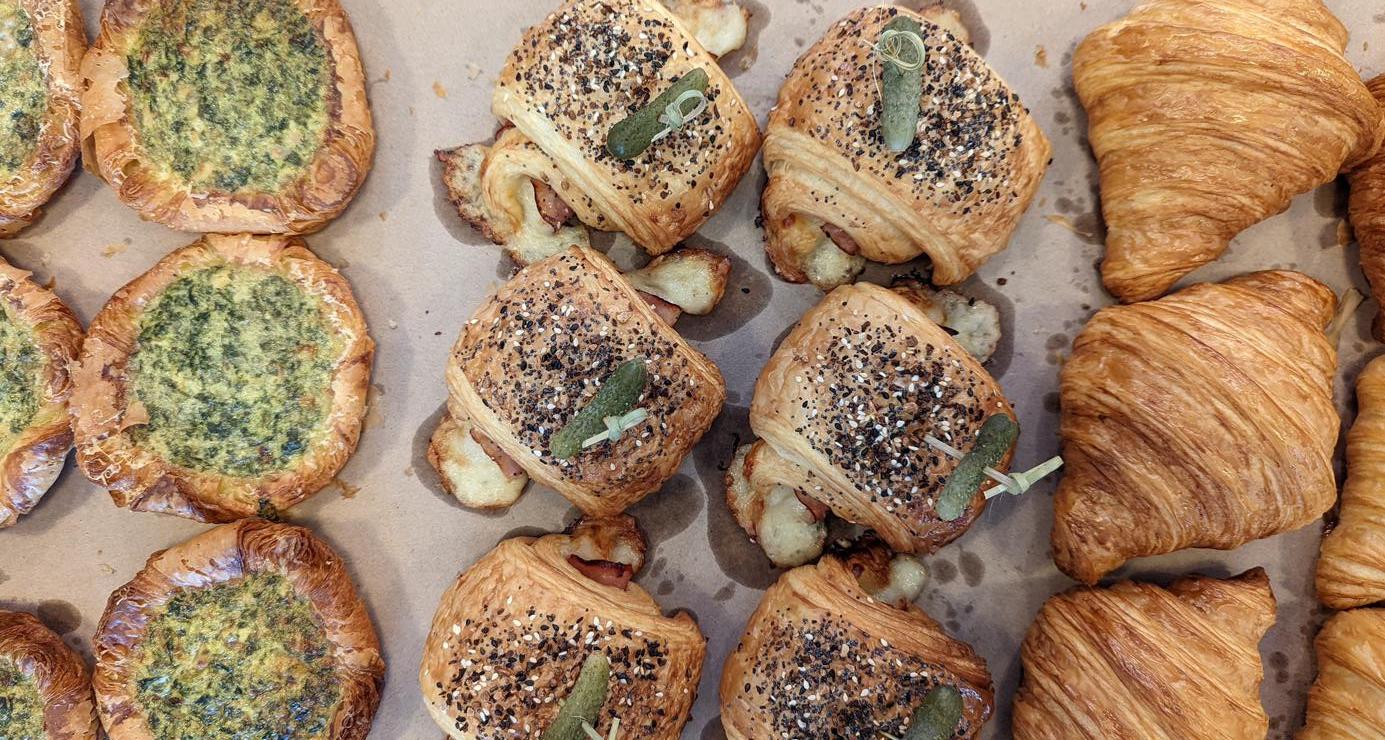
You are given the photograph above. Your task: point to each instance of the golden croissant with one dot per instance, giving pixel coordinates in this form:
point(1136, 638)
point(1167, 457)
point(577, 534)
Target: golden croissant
point(1351, 571)
point(1209, 117)
point(1204, 419)
point(1367, 211)
point(1347, 702)
point(1139, 661)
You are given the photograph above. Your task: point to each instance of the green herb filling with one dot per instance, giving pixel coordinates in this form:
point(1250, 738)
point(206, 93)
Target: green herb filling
point(23, 89)
point(20, 369)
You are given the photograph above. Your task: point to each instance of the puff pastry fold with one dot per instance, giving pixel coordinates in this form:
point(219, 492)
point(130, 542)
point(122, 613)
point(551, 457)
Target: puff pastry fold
point(1204, 419)
point(1139, 661)
point(1351, 571)
point(1209, 117)
point(1366, 209)
point(59, 675)
point(1347, 702)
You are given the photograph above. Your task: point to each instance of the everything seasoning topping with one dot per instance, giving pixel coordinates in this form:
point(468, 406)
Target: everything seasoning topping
point(23, 89)
point(593, 64)
point(230, 95)
point(823, 679)
point(21, 366)
point(241, 659)
point(969, 128)
point(234, 366)
point(21, 704)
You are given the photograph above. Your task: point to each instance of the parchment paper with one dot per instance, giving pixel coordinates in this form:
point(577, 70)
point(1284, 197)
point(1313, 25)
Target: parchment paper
point(419, 273)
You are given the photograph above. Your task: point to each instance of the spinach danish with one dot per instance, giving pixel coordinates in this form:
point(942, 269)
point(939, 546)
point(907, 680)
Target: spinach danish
point(229, 379)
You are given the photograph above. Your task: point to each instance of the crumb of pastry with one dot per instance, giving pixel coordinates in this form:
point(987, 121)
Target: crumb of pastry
point(694, 280)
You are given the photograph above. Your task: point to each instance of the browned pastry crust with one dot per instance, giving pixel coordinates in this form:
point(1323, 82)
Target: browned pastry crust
point(1347, 702)
point(112, 148)
point(1209, 118)
point(537, 351)
point(61, 41)
point(60, 674)
point(625, 52)
point(512, 632)
point(1351, 571)
point(1367, 211)
point(1138, 661)
point(849, 397)
point(104, 407)
point(955, 196)
point(227, 554)
point(1204, 419)
point(820, 658)
point(35, 459)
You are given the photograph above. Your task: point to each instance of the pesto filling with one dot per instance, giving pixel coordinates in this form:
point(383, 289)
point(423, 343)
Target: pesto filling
point(23, 89)
point(21, 705)
point(234, 366)
point(230, 95)
point(246, 659)
point(21, 366)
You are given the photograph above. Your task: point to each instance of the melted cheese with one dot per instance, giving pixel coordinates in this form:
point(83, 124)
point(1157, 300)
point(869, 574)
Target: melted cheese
point(21, 365)
point(23, 89)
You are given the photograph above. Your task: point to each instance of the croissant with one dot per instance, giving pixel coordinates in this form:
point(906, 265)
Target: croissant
point(511, 635)
point(838, 196)
point(1366, 209)
point(1139, 661)
point(1209, 117)
point(1204, 419)
point(1347, 702)
point(570, 80)
point(823, 658)
point(1351, 571)
point(843, 410)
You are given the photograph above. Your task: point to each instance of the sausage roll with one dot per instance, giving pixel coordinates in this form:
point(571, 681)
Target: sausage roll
point(1204, 419)
point(838, 195)
point(229, 378)
point(39, 340)
point(1347, 702)
point(589, 66)
point(844, 412)
point(536, 364)
point(250, 116)
point(1351, 571)
point(1207, 118)
point(510, 642)
point(251, 629)
point(1366, 209)
point(1138, 661)
point(823, 657)
point(41, 48)
point(45, 688)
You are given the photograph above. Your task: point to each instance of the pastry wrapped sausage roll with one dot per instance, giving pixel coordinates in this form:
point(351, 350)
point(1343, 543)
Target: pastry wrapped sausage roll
point(568, 375)
point(1367, 211)
point(1207, 118)
point(540, 631)
point(1139, 661)
point(1204, 419)
point(844, 412)
point(1347, 702)
point(838, 195)
point(1351, 571)
point(823, 657)
point(573, 77)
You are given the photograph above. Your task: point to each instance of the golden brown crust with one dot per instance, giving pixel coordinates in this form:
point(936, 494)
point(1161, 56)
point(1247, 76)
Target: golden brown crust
point(1139, 661)
point(104, 407)
point(60, 674)
point(865, 346)
point(223, 555)
point(1351, 570)
point(61, 41)
point(36, 457)
point(1204, 419)
point(113, 152)
point(821, 658)
point(1367, 211)
point(628, 51)
point(1207, 119)
point(539, 348)
point(1348, 699)
point(512, 632)
point(827, 161)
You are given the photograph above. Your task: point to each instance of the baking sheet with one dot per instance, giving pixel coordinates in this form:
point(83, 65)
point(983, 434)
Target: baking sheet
point(419, 273)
